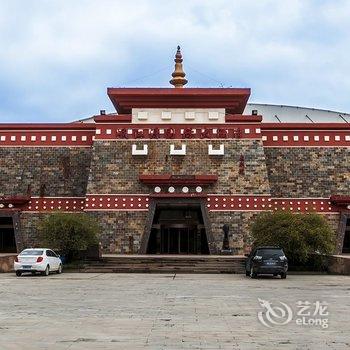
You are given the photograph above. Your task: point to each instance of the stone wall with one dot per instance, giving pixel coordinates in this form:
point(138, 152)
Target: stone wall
point(291, 172)
point(6, 262)
point(48, 171)
point(339, 265)
point(121, 231)
point(239, 235)
point(308, 172)
point(115, 170)
point(116, 228)
point(29, 228)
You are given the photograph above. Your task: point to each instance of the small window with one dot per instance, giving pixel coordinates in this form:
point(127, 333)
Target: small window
point(32, 252)
point(267, 253)
point(49, 253)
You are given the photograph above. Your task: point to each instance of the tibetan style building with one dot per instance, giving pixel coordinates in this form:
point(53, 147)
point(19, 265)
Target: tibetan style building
point(172, 166)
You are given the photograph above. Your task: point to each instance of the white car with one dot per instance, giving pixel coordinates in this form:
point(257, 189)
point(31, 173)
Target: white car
point(35, 260)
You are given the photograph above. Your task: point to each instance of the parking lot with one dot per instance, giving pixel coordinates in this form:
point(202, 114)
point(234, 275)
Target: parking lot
point(154, 311)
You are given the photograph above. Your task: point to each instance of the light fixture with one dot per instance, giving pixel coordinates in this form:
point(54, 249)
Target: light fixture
point(171, 189)
point(157, 189)
point(254, 112)
point(185, 189)
point(199, 189)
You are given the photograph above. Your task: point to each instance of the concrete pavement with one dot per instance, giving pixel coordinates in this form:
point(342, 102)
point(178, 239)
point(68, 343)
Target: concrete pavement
point(149, 311)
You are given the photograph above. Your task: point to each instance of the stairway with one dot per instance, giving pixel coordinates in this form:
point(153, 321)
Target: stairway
point(167, 264)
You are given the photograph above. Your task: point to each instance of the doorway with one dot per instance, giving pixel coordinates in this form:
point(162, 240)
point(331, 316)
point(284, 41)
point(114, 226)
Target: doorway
point(178, 229)
point(7, 235)
point(346, 242)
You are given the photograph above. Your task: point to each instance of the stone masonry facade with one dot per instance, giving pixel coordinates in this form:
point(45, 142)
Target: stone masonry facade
point(308, 172)
point(109, 167)
point(184, 155)
point(44, 171)
point(115, 170)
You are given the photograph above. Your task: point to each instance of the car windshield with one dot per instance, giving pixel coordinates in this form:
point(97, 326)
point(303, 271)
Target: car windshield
point(269, 253)
point(32, 252)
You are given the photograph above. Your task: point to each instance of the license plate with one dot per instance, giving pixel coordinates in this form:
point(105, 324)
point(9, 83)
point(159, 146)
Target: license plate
point(270, 263)
point(26, 266)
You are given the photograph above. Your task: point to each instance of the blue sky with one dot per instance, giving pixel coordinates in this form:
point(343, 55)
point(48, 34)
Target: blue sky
point(58, 57)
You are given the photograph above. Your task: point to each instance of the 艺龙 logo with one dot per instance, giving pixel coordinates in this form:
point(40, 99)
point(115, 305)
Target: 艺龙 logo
point(274, 315)
point(308, 314)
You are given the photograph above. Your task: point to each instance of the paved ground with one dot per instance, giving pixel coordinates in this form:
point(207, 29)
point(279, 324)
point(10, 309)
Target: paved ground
point(143, 311)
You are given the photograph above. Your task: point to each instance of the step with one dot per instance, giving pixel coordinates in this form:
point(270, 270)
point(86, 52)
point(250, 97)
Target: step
point(167, 264)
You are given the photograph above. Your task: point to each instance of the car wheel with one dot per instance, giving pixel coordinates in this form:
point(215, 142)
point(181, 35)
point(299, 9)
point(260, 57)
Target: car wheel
point(33, 273)
point(47, 271)
point(252, 273)
point(18, 273)
point(283, 275)
point(59, 269)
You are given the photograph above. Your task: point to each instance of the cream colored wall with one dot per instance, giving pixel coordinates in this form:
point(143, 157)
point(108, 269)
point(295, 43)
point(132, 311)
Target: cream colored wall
point(178, 115)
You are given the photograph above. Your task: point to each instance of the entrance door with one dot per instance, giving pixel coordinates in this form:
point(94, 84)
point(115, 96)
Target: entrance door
point(179, 239)
point(7, 236)
point(346, 244)
point(178, 229)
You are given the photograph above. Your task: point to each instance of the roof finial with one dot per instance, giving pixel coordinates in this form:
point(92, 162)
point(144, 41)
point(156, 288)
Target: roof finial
point(178, 75)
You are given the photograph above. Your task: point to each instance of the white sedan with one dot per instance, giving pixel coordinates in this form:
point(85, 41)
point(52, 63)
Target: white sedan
point(35, 260)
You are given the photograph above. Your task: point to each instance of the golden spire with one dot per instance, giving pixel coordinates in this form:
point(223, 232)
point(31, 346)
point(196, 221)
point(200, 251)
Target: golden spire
point(178, 79)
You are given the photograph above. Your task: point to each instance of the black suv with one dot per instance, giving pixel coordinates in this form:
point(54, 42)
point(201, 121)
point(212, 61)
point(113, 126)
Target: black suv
point(266, 260)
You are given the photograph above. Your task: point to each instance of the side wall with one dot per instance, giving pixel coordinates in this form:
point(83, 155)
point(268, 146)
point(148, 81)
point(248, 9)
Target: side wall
point(47, 171)
point(121, 231)
point(44, 171)
point(308, 172)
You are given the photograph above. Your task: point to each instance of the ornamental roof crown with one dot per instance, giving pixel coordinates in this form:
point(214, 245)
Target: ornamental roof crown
point(178, 75)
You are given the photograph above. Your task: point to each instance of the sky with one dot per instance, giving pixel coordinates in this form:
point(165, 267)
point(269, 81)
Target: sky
point(58, 57)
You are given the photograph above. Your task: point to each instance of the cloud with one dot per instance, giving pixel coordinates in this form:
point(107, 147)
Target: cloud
point(58, 57)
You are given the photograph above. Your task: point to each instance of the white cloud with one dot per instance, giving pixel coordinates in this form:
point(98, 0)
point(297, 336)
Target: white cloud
point(61, 55)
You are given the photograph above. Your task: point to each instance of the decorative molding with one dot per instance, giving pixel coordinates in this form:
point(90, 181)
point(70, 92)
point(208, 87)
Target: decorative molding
point(166, 115)
point(139, 152)
point(178, 152)
point(190, 115)
point(142, 115)
point(168, 179)
point(306, 138)
point(216, 152)
point(51, 204)
point(214, 202)
point(174, 131)
point(262, 203)
point(233, 100)
point(46, 138)
point(213, 115)
point(116, 202)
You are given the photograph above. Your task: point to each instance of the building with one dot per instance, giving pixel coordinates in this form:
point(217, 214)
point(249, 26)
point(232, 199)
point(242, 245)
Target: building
point(172, 166)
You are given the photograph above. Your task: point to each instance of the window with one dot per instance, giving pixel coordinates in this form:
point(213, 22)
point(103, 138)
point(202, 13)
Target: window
point(267, 253)
point(32, 252)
